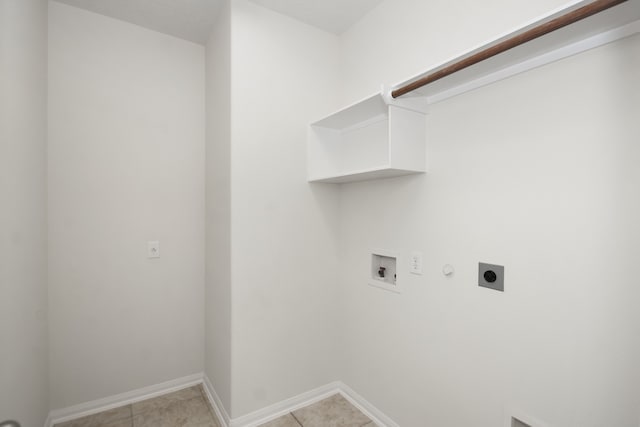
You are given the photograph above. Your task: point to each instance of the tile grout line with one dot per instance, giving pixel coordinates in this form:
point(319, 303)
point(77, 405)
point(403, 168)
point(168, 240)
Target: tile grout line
point(132, 417)
point(97, 414)
point(167, 404)
point(131, 409)
point(130, 414)
point(295, 418)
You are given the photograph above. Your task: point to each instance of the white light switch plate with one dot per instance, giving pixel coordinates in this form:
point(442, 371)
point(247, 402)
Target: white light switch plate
point(415, 263)
point(153, 249)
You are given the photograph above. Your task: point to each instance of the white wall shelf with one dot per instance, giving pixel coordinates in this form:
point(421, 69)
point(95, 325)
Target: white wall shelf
point(373, 138)
point(602, 28)
point(381, 137)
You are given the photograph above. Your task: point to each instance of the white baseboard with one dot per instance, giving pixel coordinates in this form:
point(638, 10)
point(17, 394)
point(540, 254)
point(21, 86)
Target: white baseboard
point(93, 407)
point(279, 409)
point(376, 415)
point(269, 413)
point(216, 402)
point(254, 419)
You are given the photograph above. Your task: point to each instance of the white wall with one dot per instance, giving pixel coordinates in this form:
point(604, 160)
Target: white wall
point(284, 256)
point(126, 165)
point(218, 213)
point(23, 263)
point(538, 173)
point(403, 38)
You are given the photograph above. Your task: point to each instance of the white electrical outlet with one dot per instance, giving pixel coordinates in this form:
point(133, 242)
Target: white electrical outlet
point(153, 249)
point(415, 263)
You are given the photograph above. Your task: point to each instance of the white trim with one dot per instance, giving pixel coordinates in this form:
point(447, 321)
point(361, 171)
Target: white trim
point(216, 402)
point(554, 13)
point(93, 407)
point(376, 415)
point(269, 413)
point(538, 61)
point(511, 413)
point(279, 409)
point(254, 419)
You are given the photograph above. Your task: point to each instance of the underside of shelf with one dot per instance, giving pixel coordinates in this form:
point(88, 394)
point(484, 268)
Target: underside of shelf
point(365, 175)
point(613, 24)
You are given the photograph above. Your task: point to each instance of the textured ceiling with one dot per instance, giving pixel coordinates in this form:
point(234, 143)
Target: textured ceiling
point(186, 19)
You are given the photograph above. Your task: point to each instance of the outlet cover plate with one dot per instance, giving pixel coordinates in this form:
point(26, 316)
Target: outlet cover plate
point(491, 276)
point(415, 263)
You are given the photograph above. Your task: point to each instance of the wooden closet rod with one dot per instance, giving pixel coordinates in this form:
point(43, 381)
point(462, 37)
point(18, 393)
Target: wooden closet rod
point(539, 31)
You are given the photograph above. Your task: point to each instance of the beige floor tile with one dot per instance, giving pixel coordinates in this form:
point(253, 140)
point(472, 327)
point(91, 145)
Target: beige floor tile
point(165, 400)
point(181, 413)
point(121, 423)
point(201, 388)
point(118, 417)
point(334, 411)
point(283, 421)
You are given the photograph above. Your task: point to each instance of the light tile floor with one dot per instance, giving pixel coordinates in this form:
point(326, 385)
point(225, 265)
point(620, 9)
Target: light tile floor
point(334, 411)
point(190, 408)
point(184, 408)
